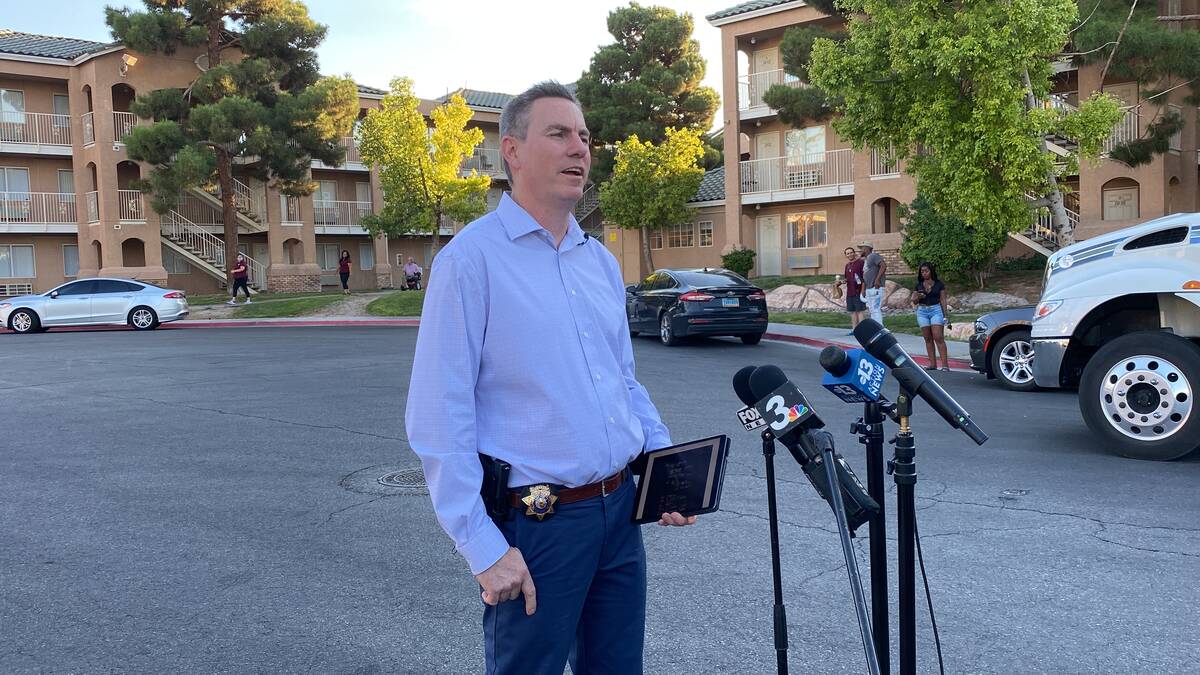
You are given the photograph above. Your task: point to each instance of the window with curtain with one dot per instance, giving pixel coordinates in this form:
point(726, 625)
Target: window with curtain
point(807, 230)
point(71, 260)
point(682, 235)
point(16, 261)
point(706, 233)
point(366, 255)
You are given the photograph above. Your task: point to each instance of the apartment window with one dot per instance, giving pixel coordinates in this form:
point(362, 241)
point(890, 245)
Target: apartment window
point(706, 233)
point(1176, 145)
point(366, 256)
point(66, 184)
point(1121, 203)
point(327, 257)
point(804, 146)
point(62, 106)
point(71, 260)
point(681, 236)
point(15, 200)
point(12, 108)
point(656, 239)
point(16, 262)
point(176, 263)
point(807, 230)
point(1174, 8)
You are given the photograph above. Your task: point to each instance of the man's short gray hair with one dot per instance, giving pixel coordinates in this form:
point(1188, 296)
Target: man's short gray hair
point(514, 119)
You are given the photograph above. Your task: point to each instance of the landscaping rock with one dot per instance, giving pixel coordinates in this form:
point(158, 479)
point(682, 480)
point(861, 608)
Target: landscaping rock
point(977, 299)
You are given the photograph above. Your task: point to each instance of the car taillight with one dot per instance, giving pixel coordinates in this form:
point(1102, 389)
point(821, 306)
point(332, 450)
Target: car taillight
point(759, 295)
point(176, 295)
point(695, 297)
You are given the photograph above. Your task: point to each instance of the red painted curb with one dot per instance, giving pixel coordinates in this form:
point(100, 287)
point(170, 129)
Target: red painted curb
point(955, 364)
point(267, 323)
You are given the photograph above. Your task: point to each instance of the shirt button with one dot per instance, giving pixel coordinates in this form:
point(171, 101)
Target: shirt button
point(611, 421)
point(585, 334)
point(572, 291)
point(597, 376)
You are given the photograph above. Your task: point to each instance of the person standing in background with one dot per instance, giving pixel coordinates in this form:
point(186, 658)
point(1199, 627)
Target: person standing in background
point(874, 276)
point(344, 271)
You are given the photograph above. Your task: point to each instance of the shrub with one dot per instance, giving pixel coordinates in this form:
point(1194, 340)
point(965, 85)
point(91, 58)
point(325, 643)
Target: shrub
point(739, 260)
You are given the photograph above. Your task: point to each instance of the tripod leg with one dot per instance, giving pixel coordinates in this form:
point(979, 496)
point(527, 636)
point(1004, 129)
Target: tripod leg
point(906, 478)
point(781, 637)
point(860, 601)
point(873, 418)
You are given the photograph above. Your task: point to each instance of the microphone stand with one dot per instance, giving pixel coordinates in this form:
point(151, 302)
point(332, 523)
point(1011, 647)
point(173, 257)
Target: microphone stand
point(904, 471)
point(781, 636)
point(870, 430)
point(860, 602)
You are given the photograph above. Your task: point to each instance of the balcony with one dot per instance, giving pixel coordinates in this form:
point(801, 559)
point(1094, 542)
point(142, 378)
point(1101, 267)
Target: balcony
point(130, 206)
point(123, 123)
point(353, 161)
point(93, 206)
point(813, 176)
point(339, 217)
point(884, 164)
point(486, 161)
point(38, 212)
point(752, 87)
point(88, 120)
point(35, 133)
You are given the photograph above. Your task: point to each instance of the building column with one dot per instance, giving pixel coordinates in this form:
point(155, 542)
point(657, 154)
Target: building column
point(383, 259)
point(732, 136)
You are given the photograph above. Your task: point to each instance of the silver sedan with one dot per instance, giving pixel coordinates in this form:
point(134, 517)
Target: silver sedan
point(94, 302)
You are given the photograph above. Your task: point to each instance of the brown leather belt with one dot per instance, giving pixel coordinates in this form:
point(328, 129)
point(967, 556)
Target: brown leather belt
point(569, 495)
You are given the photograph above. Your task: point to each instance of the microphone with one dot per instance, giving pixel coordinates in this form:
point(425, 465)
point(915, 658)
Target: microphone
point(853, 376)
point(749, 416)
point(881, 344)
point(798, 428)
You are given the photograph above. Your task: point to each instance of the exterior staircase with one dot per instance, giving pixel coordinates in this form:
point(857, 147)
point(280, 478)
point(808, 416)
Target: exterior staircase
point(1042, 236)
point(205, 251)
point(249, 204)
point(587, 210)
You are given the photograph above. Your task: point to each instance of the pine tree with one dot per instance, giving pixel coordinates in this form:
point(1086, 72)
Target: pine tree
point(260, 100)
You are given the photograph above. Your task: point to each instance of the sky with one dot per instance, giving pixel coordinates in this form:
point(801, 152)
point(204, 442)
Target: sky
point(441, 44)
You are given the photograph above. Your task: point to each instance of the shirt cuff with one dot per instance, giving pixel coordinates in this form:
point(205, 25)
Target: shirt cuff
point(485, 549)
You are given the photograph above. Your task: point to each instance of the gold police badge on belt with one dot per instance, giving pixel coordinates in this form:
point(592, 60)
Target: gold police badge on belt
point(539, 501)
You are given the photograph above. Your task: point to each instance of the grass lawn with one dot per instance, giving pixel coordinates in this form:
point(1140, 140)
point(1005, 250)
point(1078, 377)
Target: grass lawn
point(219, 298)
point(300, 306)
point(400, 303)
point(898, 323)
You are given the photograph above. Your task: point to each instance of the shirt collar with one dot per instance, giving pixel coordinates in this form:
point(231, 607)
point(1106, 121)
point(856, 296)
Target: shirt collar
point(518, 223)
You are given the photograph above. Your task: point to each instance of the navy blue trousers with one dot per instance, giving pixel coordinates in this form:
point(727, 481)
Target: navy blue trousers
point(589, 568)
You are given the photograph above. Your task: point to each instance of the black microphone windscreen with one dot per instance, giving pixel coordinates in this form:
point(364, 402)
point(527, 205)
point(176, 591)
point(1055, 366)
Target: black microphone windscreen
point(834, 360)
point(741, 385)
point(874, 337)
point(765, 380)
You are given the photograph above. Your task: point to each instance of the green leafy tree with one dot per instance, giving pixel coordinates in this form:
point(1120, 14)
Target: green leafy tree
point(958, 249)
point(646, 82)
point(420, 168)
point(261, 99)
point(1136, 44)
point(651, 184)
point(960, 82)
point(797, 105)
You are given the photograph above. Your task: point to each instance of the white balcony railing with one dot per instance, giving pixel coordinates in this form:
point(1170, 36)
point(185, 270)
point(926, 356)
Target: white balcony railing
point(485, 161)
point(752, 87)
point(330, 212)
point(93, 206)
point(208, 246)
point(123, 123)
point(819, 169)
point(245, 199)
point(37, 207)
point(89, 128)
point(884, 162)
point(1129, 128)
point(35, 128)
point(130, 205)
point(352, 155)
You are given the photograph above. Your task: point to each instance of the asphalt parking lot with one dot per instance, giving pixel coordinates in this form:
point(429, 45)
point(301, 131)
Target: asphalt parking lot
point(207, 501)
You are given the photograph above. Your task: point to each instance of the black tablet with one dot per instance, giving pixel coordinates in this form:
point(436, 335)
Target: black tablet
point(684, 478)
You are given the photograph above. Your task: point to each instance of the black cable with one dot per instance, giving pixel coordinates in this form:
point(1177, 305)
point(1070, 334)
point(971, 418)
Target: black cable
point(937, 641)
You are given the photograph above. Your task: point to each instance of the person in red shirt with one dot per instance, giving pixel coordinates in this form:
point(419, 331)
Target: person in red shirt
point(241, 278)
point(344, 271)
point(854, 287)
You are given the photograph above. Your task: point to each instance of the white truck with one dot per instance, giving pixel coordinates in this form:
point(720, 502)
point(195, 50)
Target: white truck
point(1119, 318)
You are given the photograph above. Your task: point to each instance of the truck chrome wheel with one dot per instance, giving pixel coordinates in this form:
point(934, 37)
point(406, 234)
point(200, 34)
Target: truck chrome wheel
point(1146, 397)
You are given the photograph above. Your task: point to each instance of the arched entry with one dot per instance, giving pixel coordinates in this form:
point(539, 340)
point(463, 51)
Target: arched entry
point(1175, 196)
point(130, 201)
point(1120, 199)
point(293, 252)
point(99, 251)
point(133, 253)
point(123, 119)
point(885, 216)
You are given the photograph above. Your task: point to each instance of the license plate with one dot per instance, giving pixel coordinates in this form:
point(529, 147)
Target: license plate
point(729, 302)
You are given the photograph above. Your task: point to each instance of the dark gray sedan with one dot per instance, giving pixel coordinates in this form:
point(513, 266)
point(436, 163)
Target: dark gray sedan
point(675, 304)
point(1001, 348)
point(94, 302)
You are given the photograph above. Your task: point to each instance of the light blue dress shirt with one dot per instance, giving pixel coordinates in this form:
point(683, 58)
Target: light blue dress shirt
point(523, 354)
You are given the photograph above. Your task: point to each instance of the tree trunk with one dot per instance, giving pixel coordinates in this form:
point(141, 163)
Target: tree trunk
point(646, 255)
point(1058, 212)
point(437, 235)
point(228, 213)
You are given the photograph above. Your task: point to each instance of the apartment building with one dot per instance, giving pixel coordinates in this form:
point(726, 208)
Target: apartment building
point(799, 195)
point(67, 207)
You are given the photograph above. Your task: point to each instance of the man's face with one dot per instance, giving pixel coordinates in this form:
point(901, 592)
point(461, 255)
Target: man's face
point(864, 251)
point(552, 163)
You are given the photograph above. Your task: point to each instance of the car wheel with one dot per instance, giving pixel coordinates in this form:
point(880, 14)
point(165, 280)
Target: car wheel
point(665, 333)
point(143, 318)
point(24, 321)
point(1012, 361)
point(751, 338)
point(1138, 393)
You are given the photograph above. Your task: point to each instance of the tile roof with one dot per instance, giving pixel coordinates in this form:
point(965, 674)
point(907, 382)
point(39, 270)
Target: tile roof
point(481, 99)
point(712, 187)
point(48, 46)
point(364, 89)
point(745, 7)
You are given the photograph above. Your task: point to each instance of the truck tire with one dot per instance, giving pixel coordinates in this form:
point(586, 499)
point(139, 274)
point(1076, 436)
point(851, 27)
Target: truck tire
point(1138, 394)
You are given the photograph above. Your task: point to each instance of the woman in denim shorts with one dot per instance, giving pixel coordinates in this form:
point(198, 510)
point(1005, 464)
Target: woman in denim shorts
point(929, 297)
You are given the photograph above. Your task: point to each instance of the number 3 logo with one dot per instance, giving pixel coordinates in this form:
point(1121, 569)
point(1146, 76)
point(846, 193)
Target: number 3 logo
point(779, 408)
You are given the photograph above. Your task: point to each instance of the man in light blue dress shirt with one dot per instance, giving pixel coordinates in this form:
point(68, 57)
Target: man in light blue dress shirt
point(524, 355)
